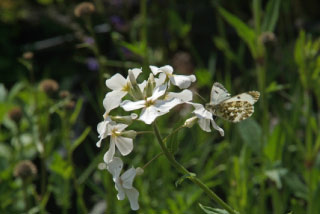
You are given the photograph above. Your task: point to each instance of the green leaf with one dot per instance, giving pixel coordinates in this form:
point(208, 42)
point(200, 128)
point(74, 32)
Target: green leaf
point(181, 179)
point(210, 210)
point(274, 147)
point(60, 166)
point(274, 86)
point(246, 33)
point(275, 175)
point(3, 92)
point(80, 139)
point(250, 132)
point(138, 48)
point(76, 111)
point(204, 77)
point(223, 45)
point(271, 16)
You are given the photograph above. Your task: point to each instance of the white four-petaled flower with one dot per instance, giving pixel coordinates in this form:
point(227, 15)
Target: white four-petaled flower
point(124, 144)
point(123, 183)
point(152, 107)
point(182, 81)
point(205, 117)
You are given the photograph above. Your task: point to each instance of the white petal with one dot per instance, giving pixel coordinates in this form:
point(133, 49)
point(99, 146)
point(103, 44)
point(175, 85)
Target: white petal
point(123, 144)
point(148, 115)
point(102, 129)
point(121, 191)
point(185, 95)
point(98, 144)
point(112, 100)
point(120, 127)
point(128, 105)
point(135, 72)
point(216, 127)
point(204, 124)
point(161, 80)
point(155, 70)
point(133, 196)
point(108, 156)
point(158, 92)
point(167, 69)
point(182, 81)
point(116, 82)
point(166, 105)
point(142, 85)
point(114, 167)
point(200, 111)
point(127, 178)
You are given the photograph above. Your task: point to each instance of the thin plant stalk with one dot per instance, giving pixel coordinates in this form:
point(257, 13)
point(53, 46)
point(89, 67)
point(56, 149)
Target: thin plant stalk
point(190, 176)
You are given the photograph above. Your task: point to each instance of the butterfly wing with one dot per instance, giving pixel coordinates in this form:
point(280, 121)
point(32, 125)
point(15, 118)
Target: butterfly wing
point(239, 107)
point(218, 94)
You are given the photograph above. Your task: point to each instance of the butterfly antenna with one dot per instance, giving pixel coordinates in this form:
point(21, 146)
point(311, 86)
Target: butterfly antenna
point(204, 100)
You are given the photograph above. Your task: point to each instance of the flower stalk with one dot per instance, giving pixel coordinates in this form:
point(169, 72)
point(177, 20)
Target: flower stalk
point(191, 176)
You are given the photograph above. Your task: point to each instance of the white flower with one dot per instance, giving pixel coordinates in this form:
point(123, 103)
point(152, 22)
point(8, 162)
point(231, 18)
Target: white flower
point(185, 95)
point(152, 107)
point(120, 87)
point(111, 101)
point(182, 81)
point(102, 129)
point(123, 183)
point(124, 144)
point(205, 117)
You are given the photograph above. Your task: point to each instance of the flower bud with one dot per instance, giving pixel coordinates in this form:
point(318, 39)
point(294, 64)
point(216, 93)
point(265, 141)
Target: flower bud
point(102, 166)
point(15, 114)
point(130, 134)
point(83, 9)
point(139, 171)
point(150, 86)
point(135, 90)
point(125, 119)
point(190, 122)
point(25, 169)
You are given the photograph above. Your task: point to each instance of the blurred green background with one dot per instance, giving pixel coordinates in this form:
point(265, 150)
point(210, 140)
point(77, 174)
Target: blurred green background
point(55, 56)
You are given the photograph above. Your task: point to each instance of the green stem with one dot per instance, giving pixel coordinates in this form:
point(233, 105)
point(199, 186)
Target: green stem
point(173, 132)
point(191, 176)
point(145, 132)
point(144, 38)
point(155, 157)
point(25, 195)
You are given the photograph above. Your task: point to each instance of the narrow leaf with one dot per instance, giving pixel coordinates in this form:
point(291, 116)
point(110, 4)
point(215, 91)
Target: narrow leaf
point(80, 139)
point(272, 16)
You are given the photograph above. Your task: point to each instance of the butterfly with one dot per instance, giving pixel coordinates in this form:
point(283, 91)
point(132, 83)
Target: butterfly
point(233, 109)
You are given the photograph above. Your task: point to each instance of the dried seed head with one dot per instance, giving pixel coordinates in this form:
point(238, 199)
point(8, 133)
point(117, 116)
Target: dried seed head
point(83, 9)
point(15, 114)
point(70, 105)
point(267, 37)
point(64, 94)
point(49, 86)
point(25, 169)
point(27, 55)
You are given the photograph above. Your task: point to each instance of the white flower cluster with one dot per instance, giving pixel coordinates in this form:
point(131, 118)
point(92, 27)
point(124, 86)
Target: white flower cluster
point(153, 97)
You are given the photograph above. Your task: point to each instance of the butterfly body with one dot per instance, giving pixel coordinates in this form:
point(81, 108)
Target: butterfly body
point(233, 109)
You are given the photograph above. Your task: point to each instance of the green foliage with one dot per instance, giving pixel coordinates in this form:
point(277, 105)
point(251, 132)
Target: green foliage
point(269, 163)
